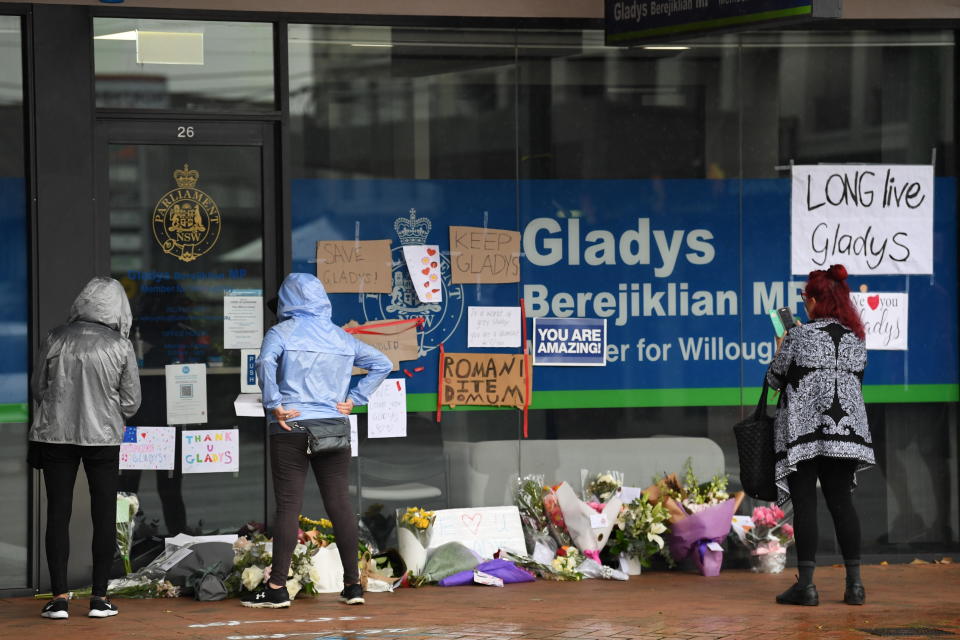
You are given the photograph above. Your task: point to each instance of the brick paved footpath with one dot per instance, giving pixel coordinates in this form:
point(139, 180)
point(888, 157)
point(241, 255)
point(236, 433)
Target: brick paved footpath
point(913, 601)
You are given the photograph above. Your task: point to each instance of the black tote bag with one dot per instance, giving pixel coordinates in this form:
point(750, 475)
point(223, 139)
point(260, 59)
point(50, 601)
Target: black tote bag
point(755, 448)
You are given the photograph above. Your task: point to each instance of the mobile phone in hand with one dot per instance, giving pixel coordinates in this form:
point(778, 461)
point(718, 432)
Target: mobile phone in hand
point(782, 320)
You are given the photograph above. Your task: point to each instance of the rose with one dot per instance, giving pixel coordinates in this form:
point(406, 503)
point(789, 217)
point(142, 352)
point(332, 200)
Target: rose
point(787, 531)
point(293, 588)
point(251, 578)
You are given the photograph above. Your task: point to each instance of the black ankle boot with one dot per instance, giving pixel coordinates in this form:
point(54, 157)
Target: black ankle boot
point(802, 595)
point(855, 594)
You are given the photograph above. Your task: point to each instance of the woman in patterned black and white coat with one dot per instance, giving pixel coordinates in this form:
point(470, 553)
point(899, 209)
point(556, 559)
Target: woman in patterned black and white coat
point(821, 430)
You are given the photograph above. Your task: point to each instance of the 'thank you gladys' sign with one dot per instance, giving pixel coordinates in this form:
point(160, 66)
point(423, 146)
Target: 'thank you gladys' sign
point(873, 219)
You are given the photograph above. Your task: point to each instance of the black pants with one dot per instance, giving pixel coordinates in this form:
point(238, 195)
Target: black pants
point(836, 482)
point(288, 464)
point(60, 464)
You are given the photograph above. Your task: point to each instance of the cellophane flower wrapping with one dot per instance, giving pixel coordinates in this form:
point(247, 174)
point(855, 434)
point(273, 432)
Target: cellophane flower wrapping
point(692, 536)
point(533, 516)
point(588, 528)
point(127, 507)
point(600, 487)
point(556, 523)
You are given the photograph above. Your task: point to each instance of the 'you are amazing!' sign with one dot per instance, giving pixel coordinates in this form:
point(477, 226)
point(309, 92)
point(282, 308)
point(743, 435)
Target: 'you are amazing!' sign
point(873, 219)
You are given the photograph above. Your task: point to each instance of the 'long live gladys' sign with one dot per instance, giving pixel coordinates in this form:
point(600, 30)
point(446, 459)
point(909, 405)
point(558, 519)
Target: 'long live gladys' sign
point(874, 219)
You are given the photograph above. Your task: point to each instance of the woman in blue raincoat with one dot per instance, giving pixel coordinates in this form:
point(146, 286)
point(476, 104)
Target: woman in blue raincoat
point(304, 368)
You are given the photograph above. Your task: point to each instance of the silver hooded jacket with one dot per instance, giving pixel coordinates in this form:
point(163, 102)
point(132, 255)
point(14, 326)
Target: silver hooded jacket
point(86, 383)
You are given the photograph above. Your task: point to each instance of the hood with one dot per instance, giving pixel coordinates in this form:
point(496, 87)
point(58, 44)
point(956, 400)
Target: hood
point(104, 301)
point(303, 295)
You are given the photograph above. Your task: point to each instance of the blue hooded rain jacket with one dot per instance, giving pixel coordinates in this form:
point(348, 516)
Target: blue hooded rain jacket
point(305, 360)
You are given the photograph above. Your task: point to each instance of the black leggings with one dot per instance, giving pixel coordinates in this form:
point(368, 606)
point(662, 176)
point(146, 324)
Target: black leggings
point(60, 464)
point(836, 482)
point(289, 463)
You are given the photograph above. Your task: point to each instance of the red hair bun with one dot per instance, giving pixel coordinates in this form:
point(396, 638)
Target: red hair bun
point(838, 272)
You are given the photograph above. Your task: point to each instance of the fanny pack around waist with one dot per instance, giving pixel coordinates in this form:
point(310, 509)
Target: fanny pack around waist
point(327, 435)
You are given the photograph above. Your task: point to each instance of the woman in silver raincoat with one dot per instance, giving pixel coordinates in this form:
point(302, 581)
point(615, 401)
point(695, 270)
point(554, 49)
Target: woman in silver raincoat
point(85, 385)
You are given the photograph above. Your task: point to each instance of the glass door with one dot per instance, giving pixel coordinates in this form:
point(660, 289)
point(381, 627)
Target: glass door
point(188, 210)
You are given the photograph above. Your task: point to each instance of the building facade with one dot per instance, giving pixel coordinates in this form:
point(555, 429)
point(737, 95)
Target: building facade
point(650, 186)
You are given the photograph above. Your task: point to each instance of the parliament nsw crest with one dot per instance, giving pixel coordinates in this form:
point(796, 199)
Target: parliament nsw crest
point(186, 221)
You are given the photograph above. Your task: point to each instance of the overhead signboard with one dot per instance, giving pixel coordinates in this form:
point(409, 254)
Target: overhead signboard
point(636, 21)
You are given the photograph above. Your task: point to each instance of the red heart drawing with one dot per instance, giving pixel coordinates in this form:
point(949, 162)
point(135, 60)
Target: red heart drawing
point(472, 522)
point(433, 264)
point(143, 435)
point(426, 284)
point(425, 271)
point(873, 301)
point(431, 252)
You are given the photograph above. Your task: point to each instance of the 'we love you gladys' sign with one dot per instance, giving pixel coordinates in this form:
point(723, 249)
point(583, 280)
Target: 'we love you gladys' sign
point(148, 448)
point(884, 317)
point(483, 529)
point(873, 219)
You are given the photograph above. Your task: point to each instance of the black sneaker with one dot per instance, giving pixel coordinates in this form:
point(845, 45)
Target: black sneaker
point(56, 609)
point(266, 597)
point(102, 608)
point(352, 594)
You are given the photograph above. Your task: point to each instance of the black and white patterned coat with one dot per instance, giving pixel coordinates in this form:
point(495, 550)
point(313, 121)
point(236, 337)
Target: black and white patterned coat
point(819, 370)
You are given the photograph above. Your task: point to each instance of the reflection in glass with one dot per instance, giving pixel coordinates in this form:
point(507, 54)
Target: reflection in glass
point(14, 304)
point(185, 225)
point(183, 65)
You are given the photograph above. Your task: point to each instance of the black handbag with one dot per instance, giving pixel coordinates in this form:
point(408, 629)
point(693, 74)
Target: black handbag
point(756, 451)
point(327, 435)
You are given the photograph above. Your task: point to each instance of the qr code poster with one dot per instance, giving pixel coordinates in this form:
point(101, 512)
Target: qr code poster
point(186, 386)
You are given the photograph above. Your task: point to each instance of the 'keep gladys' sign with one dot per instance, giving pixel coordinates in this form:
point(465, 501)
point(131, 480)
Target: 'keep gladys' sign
point(484, 255)
point(484, 379)
point(349, 266)
point(884, 317)
point(873, 219)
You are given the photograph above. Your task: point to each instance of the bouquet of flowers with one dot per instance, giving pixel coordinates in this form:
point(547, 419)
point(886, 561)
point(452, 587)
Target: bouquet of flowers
point(600, 487)
point(555, 520)
point(639, 528)
point(767, 535)
point(700, 517)
point(418, 521)
point(533, 515)
point(127, 506)
point(252, 562)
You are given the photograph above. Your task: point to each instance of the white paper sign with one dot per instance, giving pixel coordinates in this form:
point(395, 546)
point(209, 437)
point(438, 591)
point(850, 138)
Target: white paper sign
point(598, 521)
point(210, 451)
point(884, 317)
point(148, 448)
point(249, 405)
point(483, 529)
point(629, 494)
point(423, 263)
point(873, 219)
point(170, 557)
point(354, 436)
point(248, 371)
point(493, 327)
point(242, 318)
point(387, 410)
point(186, 393)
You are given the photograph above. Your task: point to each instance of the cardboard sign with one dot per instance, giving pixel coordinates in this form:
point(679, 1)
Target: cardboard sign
point(484, 255)
point(148, 448)
point(884, 317)
point(484, 379)
point(210, 451)
point(570, 342)
point(396, 340)
point(493, 327)
point(483, 529)
point(345, 266)
point(873, 219)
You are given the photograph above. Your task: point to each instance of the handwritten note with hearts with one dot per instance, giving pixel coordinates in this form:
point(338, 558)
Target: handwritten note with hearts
point(423, 263)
